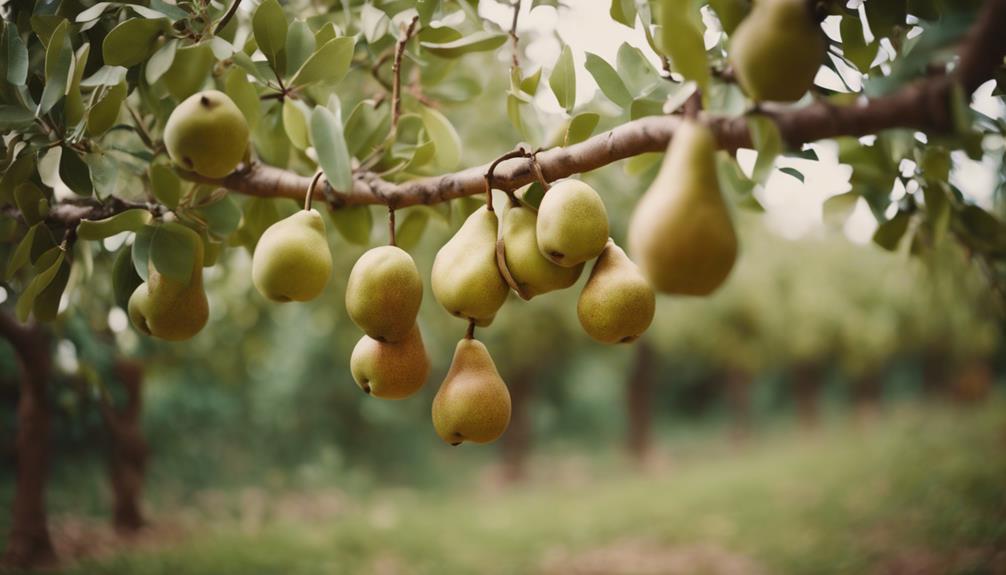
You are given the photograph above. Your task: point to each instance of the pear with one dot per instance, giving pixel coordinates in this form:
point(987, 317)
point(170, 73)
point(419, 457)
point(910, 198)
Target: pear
point(681, 233)
point(167, 308)
point(473, 403)
point(534, 273)
point(384, 292)
point(777, 50)
point(207, 134)
point(465, 277)
point(292, 261)
point(572, 223)
point(617, 303)
point(390, 370)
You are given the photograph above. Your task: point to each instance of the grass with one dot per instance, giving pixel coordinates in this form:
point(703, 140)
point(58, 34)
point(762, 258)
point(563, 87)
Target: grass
point(924, 487)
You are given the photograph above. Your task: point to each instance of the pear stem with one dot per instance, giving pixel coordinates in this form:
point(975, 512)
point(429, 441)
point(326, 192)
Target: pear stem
point(517, 152)
point(470, 333)
point(310, 190)
point(536, 168)
point(391, 227)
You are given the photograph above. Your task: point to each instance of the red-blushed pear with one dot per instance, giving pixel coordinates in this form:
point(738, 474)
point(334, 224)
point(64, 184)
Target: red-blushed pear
point(390, 370)
point(292, 260)
point(572, 223)
point(473, 403)
point(681, 233)
point(207, 134)
point(384, 292)
point(617, 303)
point(777, 50)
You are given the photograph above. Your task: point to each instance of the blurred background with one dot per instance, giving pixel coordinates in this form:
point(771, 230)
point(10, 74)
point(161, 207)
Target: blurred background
point(835, 408)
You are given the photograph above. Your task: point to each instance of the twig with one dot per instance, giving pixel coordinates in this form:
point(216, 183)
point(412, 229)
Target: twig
point(227, 17)
point(515, 61)
point(396, 71)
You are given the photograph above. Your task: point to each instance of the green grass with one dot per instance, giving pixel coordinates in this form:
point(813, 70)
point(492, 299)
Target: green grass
point(924, 482)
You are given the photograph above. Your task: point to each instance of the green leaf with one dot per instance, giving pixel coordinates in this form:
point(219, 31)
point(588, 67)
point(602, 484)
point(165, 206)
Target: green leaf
point(244, 95)
point(681, 40)
point(642, 107)
point(189, 70)
point(792, 172)
point(444, 137)
point(165, 185)
point(258, 215)
point(22, 252)
point(15, 117)
point(767, 140)
point(295, 124)
point(635, 70)
point(104, 172)
point(581, 127)
point(173, 251)
point(269, 25)
point(58, 59)
point(141, 251)
point(608, 81)
point(889, 233)
point(854, 45)
point(366, 127)
point(426, 9)
point(102, 115)
point(532, 195)
point(46, 306)
point(623, 12)
point(328, 65)
point(16, 55)
point(374, 23)
point(127, 221)
point(132, 42)
point(299, 45)
point(330, 146)
point(513, 112)
point(27, 299)
point(529, 85)
point(478, 42)
point(159, 63)
point(411, 227)
point(105, 76)
point(562, 80)
point(75, 173)
point(74, 107)
point(17, 173)
point(638, 165)
point(222, 216)
point(125, 280)
point(353, 223)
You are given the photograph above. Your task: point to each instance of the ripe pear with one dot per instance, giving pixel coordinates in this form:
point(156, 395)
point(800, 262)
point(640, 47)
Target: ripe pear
point(384, 292)
point(681, 233)
point(777, 50)
point(207, 134)
point(473, 403)
point(167, 308)
point(617, 303)
point(292, 261)
point(534, 273)
point(390, 370)
point(465, 277)
point(572, 223)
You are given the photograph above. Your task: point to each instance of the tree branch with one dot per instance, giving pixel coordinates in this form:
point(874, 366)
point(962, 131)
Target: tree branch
point(396, 74)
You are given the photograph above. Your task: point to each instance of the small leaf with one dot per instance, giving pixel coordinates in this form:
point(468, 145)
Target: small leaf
point(478, 42)
point(529, 85)
point(132, 42)
point(635, 70)
point(244, 95)
point(681, 40)
point(159, 63)
point(532, 195)
point(299, 44)
point(74, 107)
point(46, 306)
point(889, 233)
point(623, 12)
point(21, 253)
point(127, 221)
point(295, 124)
point(444, 137)
point(16, 55)
point(172, 251)
point(607, 80)
point(222, 216)
point(165, 185)
point(353, 223)
point(15, 117)
point(411, 228)
point(562, 80)
point(75, 173)
point(767, 140)
point(102, 116)
point(105, 76)
point(269, 25)
point(27, 299)
point(330, 146)
point(792, 172)
point(104, 172)
point(189, 70)
point(141, 251)
point(854, 45)
point(366, 127)
point(374, 23)
point(124, 277)
point(581, 127)
point(58, 59)
point(328, 65)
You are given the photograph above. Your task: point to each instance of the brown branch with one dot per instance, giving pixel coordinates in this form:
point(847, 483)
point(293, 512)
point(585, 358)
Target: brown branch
point(515, 61)
point(396, 74)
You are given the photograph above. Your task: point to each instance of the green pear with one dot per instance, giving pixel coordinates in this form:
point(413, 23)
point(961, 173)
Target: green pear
point(167, 308)
point(465, 278)
point(681, 233)
point(292, 261)
point(207, 134)
point(572, 223)
point(777, 50)
point(534, 273)
point(617, 303)
point(473, 403)
point(384, 292)
point(390, 370)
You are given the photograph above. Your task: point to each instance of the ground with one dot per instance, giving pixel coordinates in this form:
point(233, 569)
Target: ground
point(919, 489)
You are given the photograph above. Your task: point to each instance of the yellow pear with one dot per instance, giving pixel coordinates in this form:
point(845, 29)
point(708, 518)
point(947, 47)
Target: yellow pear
point(617, 303)
point(384, 292)
point(681, 233)
point(534, 273)
point(465, 277)
point(390, 370)
point(167, 308)
point(777, 49)
point(292, 261)
point(572, 223)
point(207, 134)
point(473, 403)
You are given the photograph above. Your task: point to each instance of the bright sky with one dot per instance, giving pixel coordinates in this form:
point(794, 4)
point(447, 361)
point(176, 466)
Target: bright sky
point(792, 208)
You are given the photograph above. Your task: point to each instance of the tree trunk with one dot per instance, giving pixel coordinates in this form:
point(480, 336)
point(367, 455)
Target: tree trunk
point(807, 389)
point(29, 544)
point(517, 440)
point(128, 449)
point(638, 394)
point(739, 400)
point(867, 396)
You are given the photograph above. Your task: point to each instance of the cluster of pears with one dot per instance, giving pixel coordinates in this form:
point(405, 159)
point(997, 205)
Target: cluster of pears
point(777, 49)
point(167, 308)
